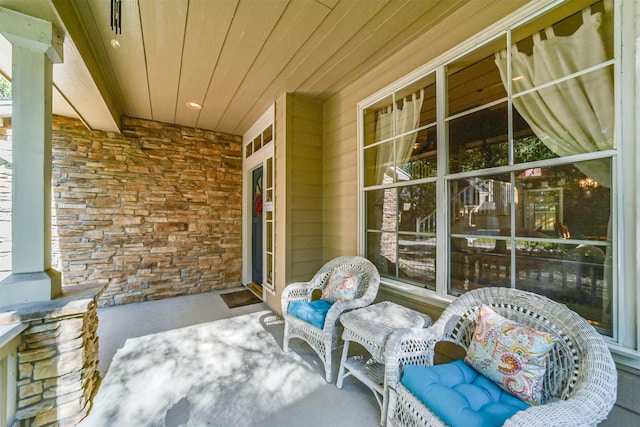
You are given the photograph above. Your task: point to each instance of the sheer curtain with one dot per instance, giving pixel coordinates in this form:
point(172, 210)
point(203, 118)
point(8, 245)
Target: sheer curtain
point(384, 130)
point(407, 119)
point(577, 115)
point(390, 159)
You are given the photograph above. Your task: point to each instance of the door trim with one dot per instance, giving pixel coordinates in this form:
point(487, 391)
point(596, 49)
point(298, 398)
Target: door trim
point(256, 160)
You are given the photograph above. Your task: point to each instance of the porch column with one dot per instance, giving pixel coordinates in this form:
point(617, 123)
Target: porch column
point(36, 45)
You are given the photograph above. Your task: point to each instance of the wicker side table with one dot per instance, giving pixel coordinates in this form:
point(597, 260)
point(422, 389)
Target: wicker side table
point(370, 327)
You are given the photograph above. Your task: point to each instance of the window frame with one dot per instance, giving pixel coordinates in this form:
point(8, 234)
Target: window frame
point(625, 182)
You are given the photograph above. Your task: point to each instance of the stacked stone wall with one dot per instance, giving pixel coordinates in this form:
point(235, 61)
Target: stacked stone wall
point(57, 368)
point(151, 213)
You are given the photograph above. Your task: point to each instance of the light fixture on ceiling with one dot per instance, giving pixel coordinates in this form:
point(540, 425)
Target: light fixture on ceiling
point(114, 43)
point(193, 105)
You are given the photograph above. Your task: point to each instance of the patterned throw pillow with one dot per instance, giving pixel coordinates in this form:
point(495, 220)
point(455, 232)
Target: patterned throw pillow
point(341, 286)
point(512, 355)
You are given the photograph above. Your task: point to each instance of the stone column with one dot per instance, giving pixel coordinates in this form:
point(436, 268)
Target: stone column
point(36, 45)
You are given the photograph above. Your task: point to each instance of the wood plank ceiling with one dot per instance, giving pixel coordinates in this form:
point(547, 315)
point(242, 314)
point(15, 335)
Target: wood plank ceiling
point(235, 57)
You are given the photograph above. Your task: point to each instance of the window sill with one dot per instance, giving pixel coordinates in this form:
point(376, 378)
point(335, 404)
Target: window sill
point(625, 356)
point(416, 294)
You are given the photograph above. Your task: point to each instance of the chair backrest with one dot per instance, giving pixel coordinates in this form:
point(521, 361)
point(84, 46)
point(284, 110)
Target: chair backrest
point(367, 287)
point(580, 362)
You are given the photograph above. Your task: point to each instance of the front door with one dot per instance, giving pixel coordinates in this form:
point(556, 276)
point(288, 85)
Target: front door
point(257, 249)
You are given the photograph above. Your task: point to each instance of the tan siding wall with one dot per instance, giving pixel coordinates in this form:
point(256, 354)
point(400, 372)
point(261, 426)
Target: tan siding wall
point(625, 413)
point(298, 192)
point(306, 197)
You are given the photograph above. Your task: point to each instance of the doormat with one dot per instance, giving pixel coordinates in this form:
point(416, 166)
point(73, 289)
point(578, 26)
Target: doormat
point(240, 298)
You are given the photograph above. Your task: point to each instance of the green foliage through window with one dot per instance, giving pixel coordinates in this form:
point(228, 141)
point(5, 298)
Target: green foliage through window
point(5, 88)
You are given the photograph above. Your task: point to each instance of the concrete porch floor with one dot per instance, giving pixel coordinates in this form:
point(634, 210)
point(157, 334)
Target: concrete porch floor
point(119, 323)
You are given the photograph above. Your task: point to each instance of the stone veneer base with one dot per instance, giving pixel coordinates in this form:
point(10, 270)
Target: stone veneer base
point(57, 357)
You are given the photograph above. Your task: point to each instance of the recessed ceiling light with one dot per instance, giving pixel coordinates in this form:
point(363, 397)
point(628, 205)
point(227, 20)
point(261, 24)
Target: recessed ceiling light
point(193, 105)
point(115, 43)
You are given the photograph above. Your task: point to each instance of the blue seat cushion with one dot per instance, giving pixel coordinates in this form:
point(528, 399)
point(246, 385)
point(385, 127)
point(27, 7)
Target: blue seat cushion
point(460, 396)
point(312, 312)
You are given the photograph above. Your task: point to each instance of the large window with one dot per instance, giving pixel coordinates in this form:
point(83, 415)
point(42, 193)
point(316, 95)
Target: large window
point(400, 158)
point(501, 161)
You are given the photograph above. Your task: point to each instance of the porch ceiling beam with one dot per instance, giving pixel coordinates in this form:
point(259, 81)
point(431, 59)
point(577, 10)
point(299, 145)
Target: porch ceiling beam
point(31, 33)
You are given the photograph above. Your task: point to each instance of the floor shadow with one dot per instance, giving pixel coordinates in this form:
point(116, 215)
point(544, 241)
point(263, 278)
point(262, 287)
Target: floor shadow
point(178, 414)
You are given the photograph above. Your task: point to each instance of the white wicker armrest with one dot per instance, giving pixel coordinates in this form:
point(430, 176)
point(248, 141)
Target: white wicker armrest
point(564, 413)
point(583, 407)
point(300, 291)
point(409, 346)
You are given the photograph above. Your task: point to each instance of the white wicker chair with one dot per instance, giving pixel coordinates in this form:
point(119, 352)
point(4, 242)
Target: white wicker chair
point(581, 379)
point(323, 341)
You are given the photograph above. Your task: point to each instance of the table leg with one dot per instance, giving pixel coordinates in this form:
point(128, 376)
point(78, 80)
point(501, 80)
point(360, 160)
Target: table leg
point(345, 352)
point(385, 403)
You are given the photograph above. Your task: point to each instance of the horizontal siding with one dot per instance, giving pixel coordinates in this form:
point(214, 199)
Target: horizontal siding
point(628, 388)
point(306, 187)
point(342, 202)
point(625, 413)
point(340, 184)
point(306, 110)
point(298, 200)
point(310, 187)
point(303, 174)
point(307, 255)
point(303, 271)
point(307, 217)
point(621, 417)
